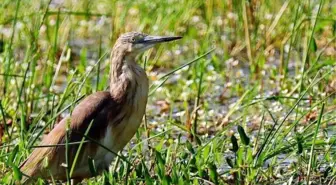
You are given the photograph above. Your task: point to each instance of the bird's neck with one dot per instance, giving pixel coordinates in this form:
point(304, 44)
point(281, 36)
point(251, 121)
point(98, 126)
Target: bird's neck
point(124, 77)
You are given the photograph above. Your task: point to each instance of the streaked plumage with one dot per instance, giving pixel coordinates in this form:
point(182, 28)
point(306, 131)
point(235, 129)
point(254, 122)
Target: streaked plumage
point(116, 115)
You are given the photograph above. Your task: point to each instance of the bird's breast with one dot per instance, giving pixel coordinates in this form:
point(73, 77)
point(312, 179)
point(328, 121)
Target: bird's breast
point(119, 134)
point(134, 111)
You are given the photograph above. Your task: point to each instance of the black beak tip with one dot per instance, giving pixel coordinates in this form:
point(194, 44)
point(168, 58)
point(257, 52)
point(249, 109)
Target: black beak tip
point(177, 37)
point(169, 38)
point(159, 39)
point(173, 38)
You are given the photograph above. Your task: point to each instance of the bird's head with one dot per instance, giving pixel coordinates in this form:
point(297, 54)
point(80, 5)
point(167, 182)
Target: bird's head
point(134, 43)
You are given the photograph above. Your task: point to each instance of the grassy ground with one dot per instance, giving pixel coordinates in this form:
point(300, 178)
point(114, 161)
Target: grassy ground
point(254, 103)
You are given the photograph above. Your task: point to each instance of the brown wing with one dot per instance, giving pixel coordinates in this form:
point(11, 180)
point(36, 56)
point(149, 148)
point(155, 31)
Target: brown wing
point(97, 107)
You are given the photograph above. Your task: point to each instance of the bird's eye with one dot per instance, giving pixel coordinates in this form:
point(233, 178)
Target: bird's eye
point(133, 39)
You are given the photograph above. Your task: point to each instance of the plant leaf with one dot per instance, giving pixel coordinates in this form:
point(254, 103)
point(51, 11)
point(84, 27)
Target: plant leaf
point(234, 144)
point(313, 45)
point(245, 140)
point(17, 173)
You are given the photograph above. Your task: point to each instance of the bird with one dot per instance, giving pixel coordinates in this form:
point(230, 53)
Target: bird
point(113, 116)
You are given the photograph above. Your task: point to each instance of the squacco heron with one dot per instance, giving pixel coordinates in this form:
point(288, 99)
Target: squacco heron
point(114, 116)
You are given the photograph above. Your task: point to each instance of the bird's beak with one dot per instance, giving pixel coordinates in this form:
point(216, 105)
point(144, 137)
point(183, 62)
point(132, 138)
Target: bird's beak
point(158, 39)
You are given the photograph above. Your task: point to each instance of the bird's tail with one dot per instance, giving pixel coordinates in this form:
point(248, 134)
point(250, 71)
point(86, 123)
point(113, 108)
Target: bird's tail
point(31, 166)
point(35, 165)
